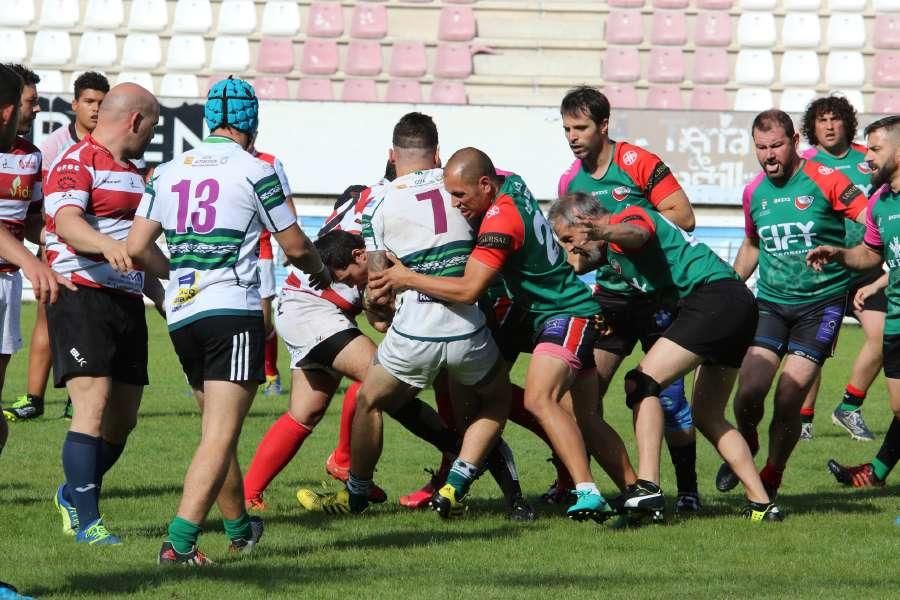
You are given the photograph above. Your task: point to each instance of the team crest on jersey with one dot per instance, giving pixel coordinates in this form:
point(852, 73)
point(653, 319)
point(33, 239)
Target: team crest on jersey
point(864, 168)
point(187, 293)
point(629, 157)
point(621, 192)
point(616, 266)
point(803, 202)
point(823, 170)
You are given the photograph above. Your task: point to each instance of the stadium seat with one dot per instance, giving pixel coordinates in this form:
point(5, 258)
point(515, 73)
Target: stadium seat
point(796, 100)
point(186, 53)
point(669, 28)
point(363, 58)
point(845, 69)
point(408, 59)
point(230, 53)
point(359, 90)
point(847, 5)
point(714, 4)
point(141, 78)
point(280, 17)
point(325, 20)
point(753, 99)
point(800, 68)
point(711, 65)
point(320, 57)
point(671, 3)
point(621, 64)
point(854, 97)
point(626, 3)
point(801, 5)
point(369, 21)
point(51, 47)
point(51, 82)
point(447, 92)
point(213, 80)
point(179, 85)
point(59, 13)
point(884, 102)
point(103, 14)
point(315, 90)
point(754, 67)
point(712, 28)
point(271, 88)
point(236, 17)
point(456, 24)
point(148, 15)
point(664, 97)
point(886, 6)
point(453, 61)
point(13, 47)
point(756, 30)
point(192, 16)
point(621, 95)
point(757, 5)
point(709, 98)
point(97, 49)
point(404, 90)
point(801, 30)
point(886, 69)
point(666, 65)
point(275, 55)
point(887, 32)
point(624, 27)
point(846, 30)
point(17, 13)
point(141, 51)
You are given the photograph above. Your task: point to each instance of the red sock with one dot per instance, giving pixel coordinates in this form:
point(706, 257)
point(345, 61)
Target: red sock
point(271, 360)
point(807, 411)
point(771, 477)
point(276, 450)
point(854, 391)
point(348, 409)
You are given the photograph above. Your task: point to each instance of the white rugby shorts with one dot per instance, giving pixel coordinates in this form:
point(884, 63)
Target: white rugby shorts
point(10, 308)
point(304, 320)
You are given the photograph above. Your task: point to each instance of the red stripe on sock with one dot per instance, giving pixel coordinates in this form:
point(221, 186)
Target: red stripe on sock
point(348, 409)
point(854, 391)
point(807, 411)
point(276, 450)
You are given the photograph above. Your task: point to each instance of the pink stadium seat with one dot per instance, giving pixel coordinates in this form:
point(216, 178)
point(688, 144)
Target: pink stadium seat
point(665, 97)
point(213, 80)
point(369, 21)
point(320, 57)
point(456, 24)
point(666, 65)
point(271, 88)
point(624, 27)
point(275, 55)
point(887, 31)
point(359, 90)
point(886, 102)
point(709, 98)
point(887, 69)
point(621, 64)
point(621, 95)
point(363, 58)
point(715, 4)
point(711, 65)
point(408, 59)
point(404, 90)
point(669, 28)
point(453, 61)
point(315, 89)
point(325, 20)
point(670, 3)
point(712, 28)
point(626, 3)
point(448, 92)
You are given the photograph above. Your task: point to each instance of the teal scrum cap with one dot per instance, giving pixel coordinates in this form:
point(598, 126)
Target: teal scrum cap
point(232, 102)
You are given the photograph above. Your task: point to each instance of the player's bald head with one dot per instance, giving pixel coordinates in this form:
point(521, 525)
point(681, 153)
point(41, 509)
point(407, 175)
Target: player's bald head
point(126, 99)
point(470, 165)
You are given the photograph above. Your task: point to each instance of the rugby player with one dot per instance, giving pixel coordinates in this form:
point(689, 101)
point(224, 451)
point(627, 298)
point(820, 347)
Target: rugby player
point(98, 335)
point(212, 202)
point(829, 126)
point(879, 245)
point(793, 205)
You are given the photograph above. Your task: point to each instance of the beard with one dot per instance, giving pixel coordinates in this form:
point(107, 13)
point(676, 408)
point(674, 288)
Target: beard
point(883, 175)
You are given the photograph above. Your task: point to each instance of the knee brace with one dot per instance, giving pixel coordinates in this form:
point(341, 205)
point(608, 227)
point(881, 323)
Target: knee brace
point(639, 385)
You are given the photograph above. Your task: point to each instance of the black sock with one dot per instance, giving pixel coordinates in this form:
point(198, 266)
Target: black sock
point(423, 421)
point(502, 466)
point(684, 459)
point(79, 457)
point(890, 451)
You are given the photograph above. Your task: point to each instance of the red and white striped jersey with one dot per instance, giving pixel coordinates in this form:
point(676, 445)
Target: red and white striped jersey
point(87, 176)
point(63, 138)
point(20, 187)
point(265, 238)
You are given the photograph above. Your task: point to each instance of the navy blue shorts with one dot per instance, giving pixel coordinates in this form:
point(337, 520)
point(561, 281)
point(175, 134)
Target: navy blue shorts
point(809, 330)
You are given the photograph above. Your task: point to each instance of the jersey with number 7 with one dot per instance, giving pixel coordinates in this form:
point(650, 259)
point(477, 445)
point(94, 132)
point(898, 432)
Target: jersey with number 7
point(213, 202)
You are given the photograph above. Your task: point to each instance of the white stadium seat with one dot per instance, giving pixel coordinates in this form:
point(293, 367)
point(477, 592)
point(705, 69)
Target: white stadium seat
point(800, 67)
point(845, 69)
point(51, 47)
point(59, 13)
point(148, 15)
point(854, 97)
point(17, 13)
point(186, 53)
point(754, 67)
point(192, 16)
point(236, 17)
point(179, 85)
point(801, 30)
point(141, 51)
point(230, 53)
point(846, 30)
point(753, 99)
point(758, 5)
point(51, 81)
point(280, 17)
point(849, 5)
point(796, 100)
point(885, 6)
point(13, 47)
point(104, 14)
point(142, 78)
point(97, 49)
point(756, 30)
point(801, 5)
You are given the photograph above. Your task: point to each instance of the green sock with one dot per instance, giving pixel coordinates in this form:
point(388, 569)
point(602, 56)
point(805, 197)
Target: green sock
point(881, 469)
point(461, 476)
point(183, 535)
point(852, 400)
point(238, 529)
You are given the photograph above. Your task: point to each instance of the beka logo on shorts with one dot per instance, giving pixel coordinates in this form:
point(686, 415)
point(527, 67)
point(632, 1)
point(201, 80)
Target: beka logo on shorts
point(803, 202)
point(629, 157)
point(620, 193)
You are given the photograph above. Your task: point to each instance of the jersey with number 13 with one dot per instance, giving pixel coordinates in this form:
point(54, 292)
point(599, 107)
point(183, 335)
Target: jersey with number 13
point(213, 202)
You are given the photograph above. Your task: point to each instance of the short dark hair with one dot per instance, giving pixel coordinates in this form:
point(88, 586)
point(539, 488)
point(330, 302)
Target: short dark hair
point(415, 130)
point(773, 117)
point(586, 100)
point(28, 76)
point(10, 86)
point(839, 106)
point(886, 123)
point(91, 80)
point(336, 248)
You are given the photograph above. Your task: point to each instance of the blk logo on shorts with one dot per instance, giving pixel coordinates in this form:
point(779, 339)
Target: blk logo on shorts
point(82, 362)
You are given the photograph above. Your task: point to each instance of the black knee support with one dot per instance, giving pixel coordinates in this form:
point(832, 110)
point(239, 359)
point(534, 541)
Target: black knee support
point(639, 385)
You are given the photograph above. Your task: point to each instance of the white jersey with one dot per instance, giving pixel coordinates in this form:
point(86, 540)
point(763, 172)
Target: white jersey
point(413, 218)
point(213, 202)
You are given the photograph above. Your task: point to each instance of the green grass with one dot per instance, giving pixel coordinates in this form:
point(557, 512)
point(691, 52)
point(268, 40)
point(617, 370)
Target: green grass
point(836, 542)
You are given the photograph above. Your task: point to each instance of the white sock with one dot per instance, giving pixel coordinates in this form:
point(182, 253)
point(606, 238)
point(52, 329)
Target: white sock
point(588, 486)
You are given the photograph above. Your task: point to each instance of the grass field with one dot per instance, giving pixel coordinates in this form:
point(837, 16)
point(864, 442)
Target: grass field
point(835, 542)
